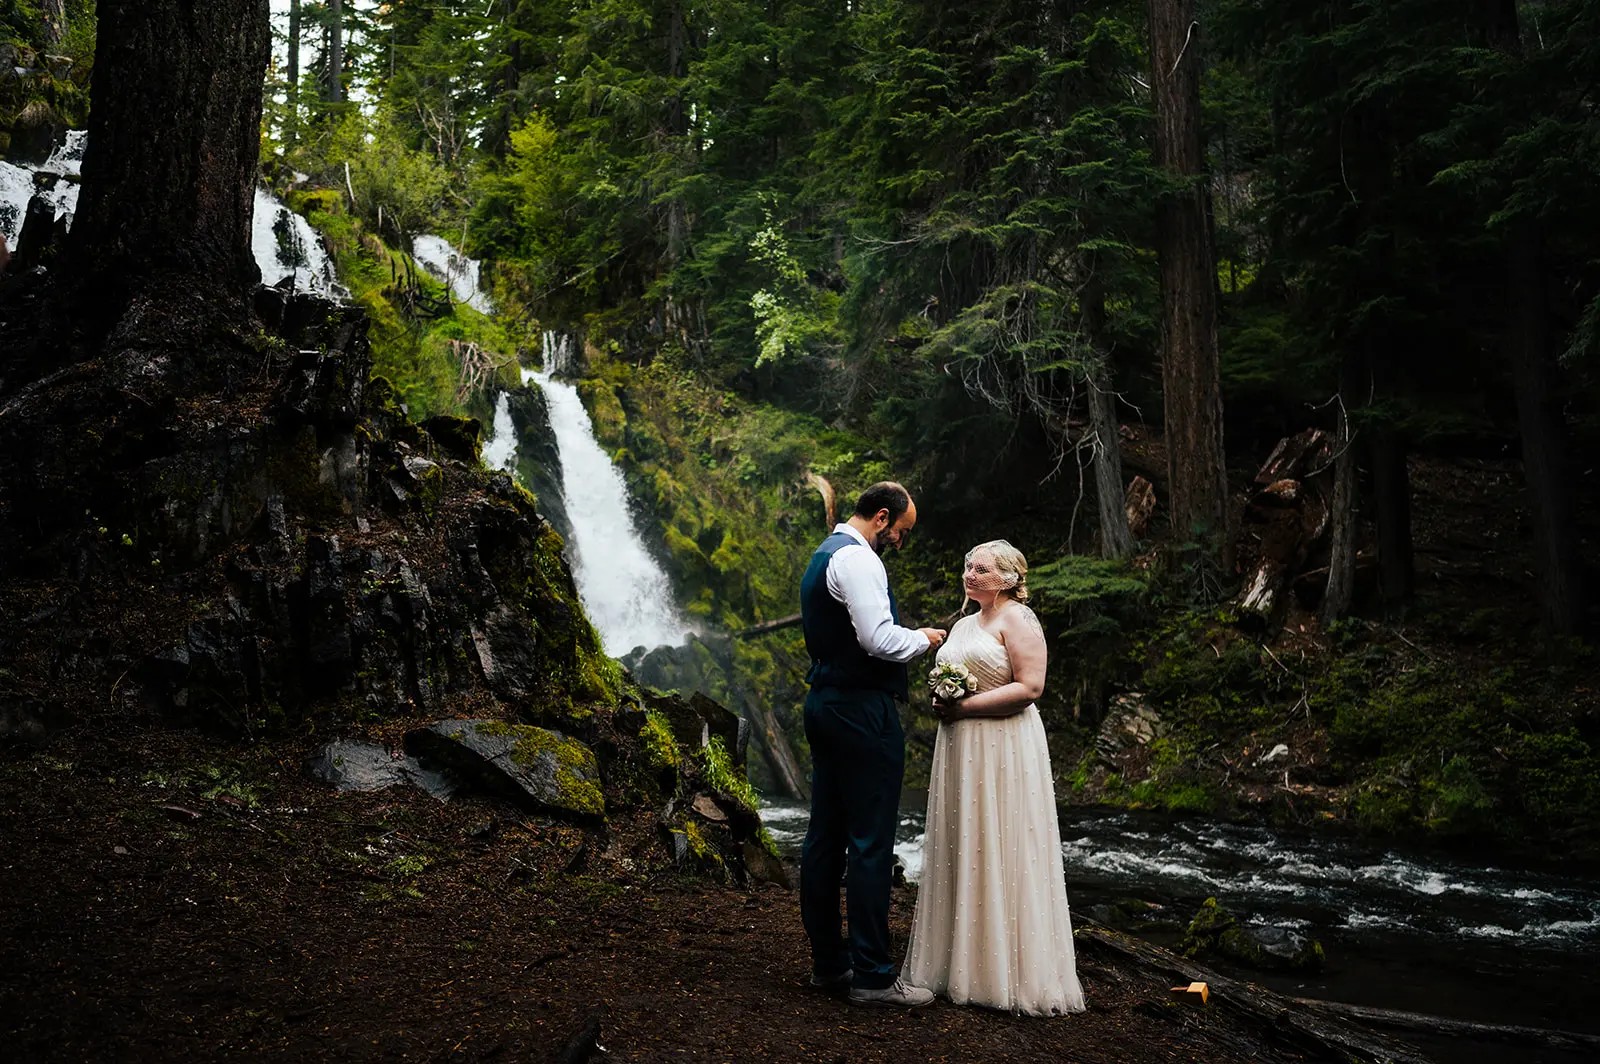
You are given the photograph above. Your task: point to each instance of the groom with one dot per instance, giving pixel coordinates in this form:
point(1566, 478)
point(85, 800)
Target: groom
point(858, 653)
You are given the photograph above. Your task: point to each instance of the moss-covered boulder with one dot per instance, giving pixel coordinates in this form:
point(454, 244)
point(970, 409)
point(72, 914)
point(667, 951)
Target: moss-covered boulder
point(535, 767)
point(1215, 931)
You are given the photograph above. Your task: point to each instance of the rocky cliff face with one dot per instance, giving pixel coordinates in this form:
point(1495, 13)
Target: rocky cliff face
point(256, 539)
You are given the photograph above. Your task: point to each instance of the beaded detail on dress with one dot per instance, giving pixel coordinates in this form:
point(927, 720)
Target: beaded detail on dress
point(992, 925)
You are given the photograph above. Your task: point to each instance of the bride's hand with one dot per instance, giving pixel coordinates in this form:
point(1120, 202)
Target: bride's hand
point(946, 711)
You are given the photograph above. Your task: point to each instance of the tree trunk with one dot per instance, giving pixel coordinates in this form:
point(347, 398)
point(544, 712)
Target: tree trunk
point(169, 168)
point(1116, 541)
point(677, 128)
point(54, 13)
point(335, 51)
point(1191, 385)
point(779, 753)
point(1539, 419)
point(1344, 515)
point(292, 134)
point(1391, 512)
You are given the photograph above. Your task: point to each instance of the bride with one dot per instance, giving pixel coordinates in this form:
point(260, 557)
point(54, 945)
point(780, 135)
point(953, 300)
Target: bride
point(992, 925)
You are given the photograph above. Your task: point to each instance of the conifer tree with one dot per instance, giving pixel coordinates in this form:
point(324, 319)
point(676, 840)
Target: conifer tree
point(1190, 370)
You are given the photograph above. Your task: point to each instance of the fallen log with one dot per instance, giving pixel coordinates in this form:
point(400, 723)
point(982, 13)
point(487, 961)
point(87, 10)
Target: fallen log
point(768, 626)
point(1296, 457)
point(1421, 1023)
point(779, 753)
point(1290, 1019)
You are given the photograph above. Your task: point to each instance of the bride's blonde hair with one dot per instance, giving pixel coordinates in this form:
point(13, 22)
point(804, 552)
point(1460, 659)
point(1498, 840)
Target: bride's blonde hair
point(1009, 561)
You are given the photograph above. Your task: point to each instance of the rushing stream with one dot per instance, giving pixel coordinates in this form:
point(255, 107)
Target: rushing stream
point(1402, 930)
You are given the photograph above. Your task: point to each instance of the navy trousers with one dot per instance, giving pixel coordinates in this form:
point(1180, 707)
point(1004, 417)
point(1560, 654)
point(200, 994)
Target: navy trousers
point(858, 758)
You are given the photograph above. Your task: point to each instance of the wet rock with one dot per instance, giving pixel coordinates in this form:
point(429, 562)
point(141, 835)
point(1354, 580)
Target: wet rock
point(358, 765)
point(764, 867)
point(538, 459)
point(1214, 930)
point(457, 437)
point(328, 374)
point(36, 239)
point(507, 655)
point(697, 719)
point(1130, 721)
point(354, 765)
point(222, 507)
point(536, 767)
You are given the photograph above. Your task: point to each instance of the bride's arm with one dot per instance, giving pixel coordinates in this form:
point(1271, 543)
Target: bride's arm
point(1029, 655)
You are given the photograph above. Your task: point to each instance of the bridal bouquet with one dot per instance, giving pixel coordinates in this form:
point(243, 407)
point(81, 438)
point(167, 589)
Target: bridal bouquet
point(950, 681)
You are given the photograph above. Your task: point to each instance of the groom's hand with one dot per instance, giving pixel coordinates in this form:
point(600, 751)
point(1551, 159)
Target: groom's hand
point(935, 637)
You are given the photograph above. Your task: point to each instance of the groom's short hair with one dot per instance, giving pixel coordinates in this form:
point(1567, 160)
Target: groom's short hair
point(884, 495)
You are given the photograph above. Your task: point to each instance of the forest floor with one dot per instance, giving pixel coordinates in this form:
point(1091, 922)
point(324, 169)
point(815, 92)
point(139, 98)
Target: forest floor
point(168, 895)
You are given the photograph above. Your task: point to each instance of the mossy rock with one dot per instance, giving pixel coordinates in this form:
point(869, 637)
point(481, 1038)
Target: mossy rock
point(457, 437)
point(535, 767)
point(1214, 930)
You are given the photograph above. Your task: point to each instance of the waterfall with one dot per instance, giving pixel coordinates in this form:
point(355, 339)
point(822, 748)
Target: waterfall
point(500, 449)
point(59, 187)
point(559, 358)
point(624, 591)
point(436, 255)
point(283, 243)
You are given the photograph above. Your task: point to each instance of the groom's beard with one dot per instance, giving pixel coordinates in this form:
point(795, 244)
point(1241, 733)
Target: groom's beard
point(880, 540)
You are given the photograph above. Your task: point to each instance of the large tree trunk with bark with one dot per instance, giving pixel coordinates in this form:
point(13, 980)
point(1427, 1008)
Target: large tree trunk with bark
point(1533, 378)
point(1191, 385)
point(1344, 512)
point(1391, 509)
point(169, 169)
point(335, 51)
point(293, 132)
point(1116, 540)
point(54, 13)
point(1110, 498)
point(1544, 460)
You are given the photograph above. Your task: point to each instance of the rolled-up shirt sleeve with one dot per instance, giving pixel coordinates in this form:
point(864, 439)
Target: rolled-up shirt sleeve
point(857, 578)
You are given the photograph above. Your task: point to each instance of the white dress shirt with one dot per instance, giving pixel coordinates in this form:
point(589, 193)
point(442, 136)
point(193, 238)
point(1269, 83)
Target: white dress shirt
point(858, 580)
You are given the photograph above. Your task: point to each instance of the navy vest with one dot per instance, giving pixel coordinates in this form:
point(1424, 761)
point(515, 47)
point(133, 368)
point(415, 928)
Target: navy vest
point(837, 660)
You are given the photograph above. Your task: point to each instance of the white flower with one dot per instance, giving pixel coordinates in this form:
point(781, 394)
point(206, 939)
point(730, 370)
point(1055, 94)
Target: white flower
point(949, 681)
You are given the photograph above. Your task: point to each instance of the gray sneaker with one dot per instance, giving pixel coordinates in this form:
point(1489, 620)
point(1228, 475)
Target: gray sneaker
point(899, 993)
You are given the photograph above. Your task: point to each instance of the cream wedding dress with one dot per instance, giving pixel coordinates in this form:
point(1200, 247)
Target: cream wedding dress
point(992, 925)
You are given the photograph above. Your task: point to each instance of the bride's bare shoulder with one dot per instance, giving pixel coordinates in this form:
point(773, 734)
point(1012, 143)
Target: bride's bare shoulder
point(1020, 618)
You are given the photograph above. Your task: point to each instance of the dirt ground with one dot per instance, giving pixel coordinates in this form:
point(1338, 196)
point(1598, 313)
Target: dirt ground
point(165, 895)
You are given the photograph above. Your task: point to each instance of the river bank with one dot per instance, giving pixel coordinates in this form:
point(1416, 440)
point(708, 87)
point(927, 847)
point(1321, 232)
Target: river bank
point(1418, 930)
point(167, 894)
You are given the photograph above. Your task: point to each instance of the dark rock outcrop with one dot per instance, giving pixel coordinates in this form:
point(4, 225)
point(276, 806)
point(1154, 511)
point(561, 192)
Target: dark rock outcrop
point(259, 535)
point(538, 459)
point(246, 532)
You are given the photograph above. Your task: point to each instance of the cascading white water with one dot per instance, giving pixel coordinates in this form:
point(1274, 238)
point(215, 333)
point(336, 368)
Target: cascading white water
point(624, 591)
point(559, 358)
point(17, 186)
point(500, 449)
point(436, 255)
point(282, 242)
